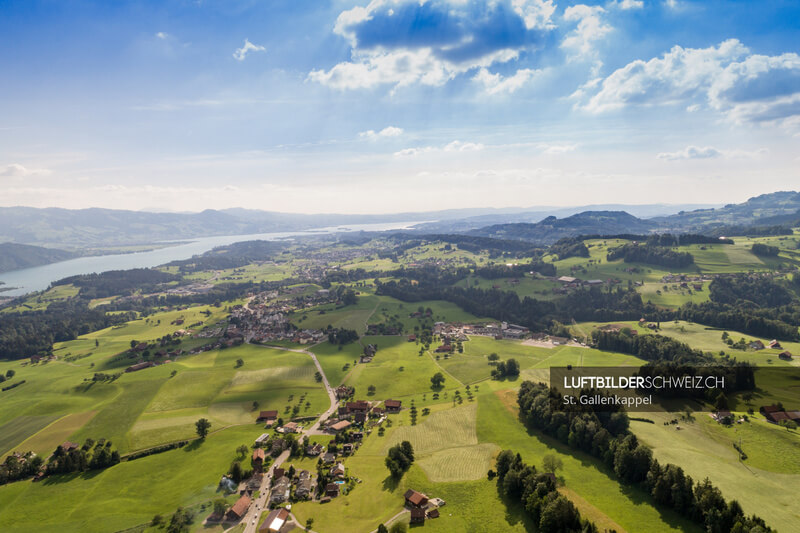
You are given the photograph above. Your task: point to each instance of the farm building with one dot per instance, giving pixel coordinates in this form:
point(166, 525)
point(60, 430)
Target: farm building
point(258, 458)
point(275, 521)
point(268, 417)
point(340, 426)
point(415, 499)
point(392, 406)
point(786, 356)
point(417, 516)
point(238, 509)
point(756, 345)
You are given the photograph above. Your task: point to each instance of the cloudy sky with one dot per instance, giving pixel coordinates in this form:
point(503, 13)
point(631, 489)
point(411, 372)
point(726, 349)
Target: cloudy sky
point(395, 105)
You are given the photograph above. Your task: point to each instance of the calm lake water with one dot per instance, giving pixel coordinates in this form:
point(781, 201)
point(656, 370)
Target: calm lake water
point(39, 278)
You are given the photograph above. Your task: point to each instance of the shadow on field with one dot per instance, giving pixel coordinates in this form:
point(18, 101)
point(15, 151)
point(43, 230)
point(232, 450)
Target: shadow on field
point(634, 494)
point(194, 445)
point(390, 483)
point(515, 512)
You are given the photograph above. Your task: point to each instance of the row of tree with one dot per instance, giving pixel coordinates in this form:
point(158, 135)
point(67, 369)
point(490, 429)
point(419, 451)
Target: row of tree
point(651, 255)
point(605, 435)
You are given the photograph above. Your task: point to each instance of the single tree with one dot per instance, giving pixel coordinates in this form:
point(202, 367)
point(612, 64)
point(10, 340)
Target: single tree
point(201, 427)
point(437, 380)
point(551, 463)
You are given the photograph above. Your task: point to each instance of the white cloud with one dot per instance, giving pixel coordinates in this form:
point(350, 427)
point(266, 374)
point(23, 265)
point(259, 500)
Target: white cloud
point(162, 35)
point(691, 152)
point(458, 146)
point(709, 152)
point(535, 13)
point(15, 170)
point(400, 68)
point(553, 149)
point(628, 4)
point(454, 146)
point(744, 87)
point(408, 42)
point(241, 53)
point(388, 131)
point(496, 84)
point(590, 29)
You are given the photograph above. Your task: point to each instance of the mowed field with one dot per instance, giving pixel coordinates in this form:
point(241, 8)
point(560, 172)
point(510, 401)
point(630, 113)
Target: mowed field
point(149, 407)
point(137, 411)
point(766, 483)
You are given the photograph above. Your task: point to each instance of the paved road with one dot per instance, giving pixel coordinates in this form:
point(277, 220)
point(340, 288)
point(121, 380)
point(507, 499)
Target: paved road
point(254, 513)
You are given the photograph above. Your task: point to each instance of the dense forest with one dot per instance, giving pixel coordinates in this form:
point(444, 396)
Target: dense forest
point(651, 255)
point(34, 332)
point(605, 435)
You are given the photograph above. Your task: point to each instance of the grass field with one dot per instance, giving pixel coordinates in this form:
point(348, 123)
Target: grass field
point(125, 495)
point(764, 484)
point(21, 428)
point(397, 370)
point(446, 445)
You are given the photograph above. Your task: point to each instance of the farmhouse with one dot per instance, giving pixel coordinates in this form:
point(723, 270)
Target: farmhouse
point(417, 516)
point(238, 509)
point(415, 499)
point(68, 446)
point(268, 417)
point(343, 391)
point(786, 356)
point(275, 521)
point(392, 406)
point(559, 341)
point(775, 345)
point(258, 458)
point(140, 366)
point(444, 348)
point(331, 490)
point(567, 279)
point(756, 345)
point(290, 427)
point(340, 426)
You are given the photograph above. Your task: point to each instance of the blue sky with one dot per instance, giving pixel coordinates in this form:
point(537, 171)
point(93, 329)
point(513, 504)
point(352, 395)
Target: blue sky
point(394, 105)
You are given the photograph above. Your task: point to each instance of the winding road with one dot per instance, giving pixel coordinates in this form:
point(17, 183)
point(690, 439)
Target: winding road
point(253, 515)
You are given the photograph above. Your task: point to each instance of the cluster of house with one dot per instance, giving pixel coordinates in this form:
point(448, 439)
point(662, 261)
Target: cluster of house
point(190, 290)
point(773, 345)
point(422, 507)
point(776, 414)
point(263, 322)
point(358, 412)
point(456, 331)
point(685, 280)
point(282, 484)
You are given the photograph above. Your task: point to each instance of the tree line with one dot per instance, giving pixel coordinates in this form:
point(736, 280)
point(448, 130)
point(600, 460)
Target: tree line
point(651, 255)
point(605, 435)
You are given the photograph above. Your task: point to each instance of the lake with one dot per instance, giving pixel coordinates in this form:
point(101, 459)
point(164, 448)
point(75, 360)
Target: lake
point(39, 278)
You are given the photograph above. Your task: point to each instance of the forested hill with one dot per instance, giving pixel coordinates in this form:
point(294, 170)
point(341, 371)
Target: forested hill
point(15, 256)
point(778, 208)
point(551, 229)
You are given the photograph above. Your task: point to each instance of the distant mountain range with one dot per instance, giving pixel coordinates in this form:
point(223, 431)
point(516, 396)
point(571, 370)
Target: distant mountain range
point(552, 229)
point(15, 256)
point(775, 209)
point(85, 228)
